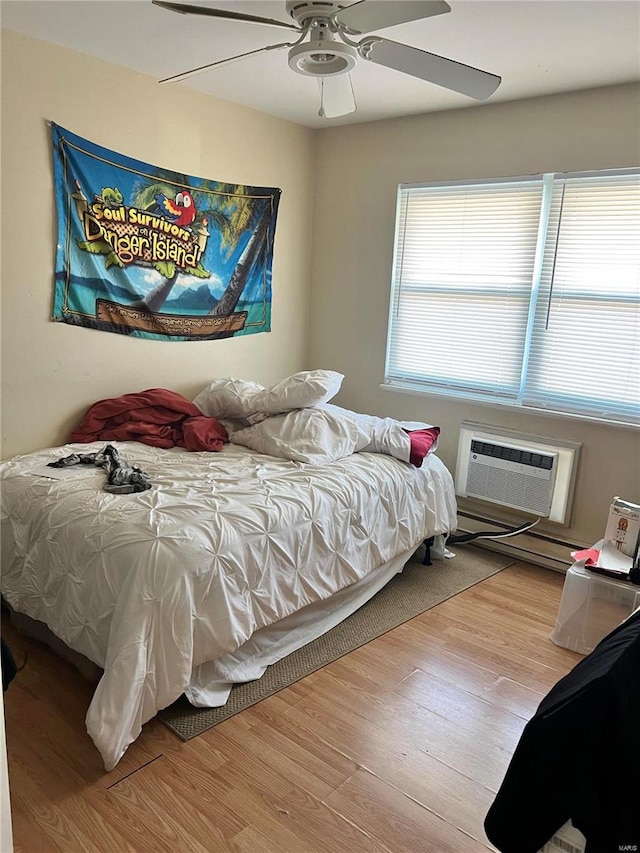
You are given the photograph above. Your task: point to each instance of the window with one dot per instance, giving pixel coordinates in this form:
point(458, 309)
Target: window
point(525, 292)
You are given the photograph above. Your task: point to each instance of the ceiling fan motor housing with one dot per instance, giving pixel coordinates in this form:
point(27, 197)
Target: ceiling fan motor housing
point(302, 10)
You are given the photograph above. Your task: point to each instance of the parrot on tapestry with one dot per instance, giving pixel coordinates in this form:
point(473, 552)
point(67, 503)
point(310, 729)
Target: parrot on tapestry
point(181, 211)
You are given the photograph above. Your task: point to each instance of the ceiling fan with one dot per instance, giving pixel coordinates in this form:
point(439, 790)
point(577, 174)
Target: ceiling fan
point(326, 47)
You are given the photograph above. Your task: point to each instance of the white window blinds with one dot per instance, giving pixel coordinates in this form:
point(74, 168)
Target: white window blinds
point(521, 291)
point(585, 350)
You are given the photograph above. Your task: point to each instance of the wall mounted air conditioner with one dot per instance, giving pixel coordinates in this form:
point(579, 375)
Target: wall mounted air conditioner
point(516, 470)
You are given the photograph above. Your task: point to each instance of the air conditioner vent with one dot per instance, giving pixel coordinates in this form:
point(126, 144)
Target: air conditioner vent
point(513, 454)
point(523, 472)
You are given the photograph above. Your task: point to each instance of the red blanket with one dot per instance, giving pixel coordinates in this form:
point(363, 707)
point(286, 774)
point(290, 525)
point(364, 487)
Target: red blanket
point(158, 417)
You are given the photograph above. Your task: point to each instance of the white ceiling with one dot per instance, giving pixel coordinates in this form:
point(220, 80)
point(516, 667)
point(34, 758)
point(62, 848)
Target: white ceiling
point(538, 47)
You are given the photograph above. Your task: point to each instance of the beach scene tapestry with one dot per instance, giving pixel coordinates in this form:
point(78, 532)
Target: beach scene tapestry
point(152, 253)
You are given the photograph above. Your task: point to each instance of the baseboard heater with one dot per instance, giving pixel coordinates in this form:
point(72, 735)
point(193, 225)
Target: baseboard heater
point(525, 472)
point(530, 546)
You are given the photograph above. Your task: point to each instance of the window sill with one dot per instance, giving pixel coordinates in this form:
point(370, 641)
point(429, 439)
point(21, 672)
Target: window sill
point(504, 404)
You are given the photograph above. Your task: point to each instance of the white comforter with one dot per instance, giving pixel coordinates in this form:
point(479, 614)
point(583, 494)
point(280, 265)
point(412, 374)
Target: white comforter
point(151, 585)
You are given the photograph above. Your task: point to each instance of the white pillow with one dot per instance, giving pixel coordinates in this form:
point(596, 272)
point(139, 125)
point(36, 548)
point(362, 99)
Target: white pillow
point(229, 398)
point(304, 389)
point(310, 435)
point(240, 398)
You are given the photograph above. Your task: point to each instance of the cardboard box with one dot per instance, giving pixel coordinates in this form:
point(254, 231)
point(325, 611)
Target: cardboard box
point(623, 526)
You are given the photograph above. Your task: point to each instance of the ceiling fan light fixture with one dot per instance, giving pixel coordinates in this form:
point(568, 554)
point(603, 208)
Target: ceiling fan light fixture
point(322, 58)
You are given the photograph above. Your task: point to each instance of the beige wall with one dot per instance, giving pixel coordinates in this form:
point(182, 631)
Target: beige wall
point(359, 169)
point(52, 372)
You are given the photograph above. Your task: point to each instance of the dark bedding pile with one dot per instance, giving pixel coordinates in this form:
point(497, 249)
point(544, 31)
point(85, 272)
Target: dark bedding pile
point(158, 417)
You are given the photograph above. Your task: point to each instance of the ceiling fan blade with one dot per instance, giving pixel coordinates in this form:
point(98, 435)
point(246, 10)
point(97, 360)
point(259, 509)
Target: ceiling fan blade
point(430, 67)
point(368, 15)
point(187, 9)
point(201, 68)
point(336, 96)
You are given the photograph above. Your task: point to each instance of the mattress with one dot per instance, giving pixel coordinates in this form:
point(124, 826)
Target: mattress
point(153, 587)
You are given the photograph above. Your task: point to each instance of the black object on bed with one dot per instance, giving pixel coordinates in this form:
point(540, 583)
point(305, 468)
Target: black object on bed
point(579, 757)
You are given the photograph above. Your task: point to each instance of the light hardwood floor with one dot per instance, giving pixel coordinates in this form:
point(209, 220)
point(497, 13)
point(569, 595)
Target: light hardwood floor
point(399, 747)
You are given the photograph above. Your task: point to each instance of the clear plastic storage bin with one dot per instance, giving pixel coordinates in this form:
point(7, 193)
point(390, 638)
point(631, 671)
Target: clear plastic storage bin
point(591, 607)
point(566, 840)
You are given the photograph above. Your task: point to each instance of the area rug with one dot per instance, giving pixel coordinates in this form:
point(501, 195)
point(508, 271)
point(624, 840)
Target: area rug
point(411, 592)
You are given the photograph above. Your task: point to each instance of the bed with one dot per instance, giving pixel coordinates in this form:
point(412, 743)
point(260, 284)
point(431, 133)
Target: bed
point(229, 561)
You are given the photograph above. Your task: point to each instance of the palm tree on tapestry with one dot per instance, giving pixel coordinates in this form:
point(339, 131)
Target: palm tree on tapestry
point(257, 221)
point(230, 210)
